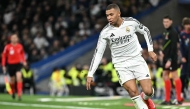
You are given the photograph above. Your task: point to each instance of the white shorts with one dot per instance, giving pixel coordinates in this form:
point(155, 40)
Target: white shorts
point(139, 70)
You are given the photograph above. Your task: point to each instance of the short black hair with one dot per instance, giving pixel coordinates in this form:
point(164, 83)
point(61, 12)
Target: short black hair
point(114, 6)
point(167, 17)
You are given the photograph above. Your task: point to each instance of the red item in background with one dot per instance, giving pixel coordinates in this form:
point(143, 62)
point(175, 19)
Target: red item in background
point(178, 86)
point(19, 88)
point(14, 53)
point(167, 90)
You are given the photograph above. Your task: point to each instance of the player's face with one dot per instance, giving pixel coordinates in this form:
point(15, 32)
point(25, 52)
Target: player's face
point(14, 38)
point(187, 27)
point(112, 16)
point(167, 23)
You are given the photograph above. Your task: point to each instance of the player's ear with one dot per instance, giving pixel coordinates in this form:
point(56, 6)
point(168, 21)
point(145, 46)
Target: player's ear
point(119, 14)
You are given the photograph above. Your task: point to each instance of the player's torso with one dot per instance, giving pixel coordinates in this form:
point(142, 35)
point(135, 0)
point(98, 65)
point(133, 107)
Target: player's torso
point(14, 50)
point(120, 36)
point(167, 44)
point(186, 38)
point(166, 40)
point(123, 41)
point(166, 36)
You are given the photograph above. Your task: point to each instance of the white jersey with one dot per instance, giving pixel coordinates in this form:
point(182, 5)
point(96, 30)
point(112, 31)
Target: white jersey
point(122, 41)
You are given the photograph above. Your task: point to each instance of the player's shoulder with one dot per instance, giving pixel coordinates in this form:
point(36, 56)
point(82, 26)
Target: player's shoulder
point(19, 44)
point(182, 33)
point(105, 29)
point(7, 45)
point(130, 19)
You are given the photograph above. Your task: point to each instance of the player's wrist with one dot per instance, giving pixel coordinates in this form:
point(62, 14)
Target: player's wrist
point(150, 48)
point(90, 75)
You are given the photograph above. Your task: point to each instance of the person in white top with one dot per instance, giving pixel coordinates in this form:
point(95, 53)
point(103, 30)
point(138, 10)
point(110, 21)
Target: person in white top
point(120, 35)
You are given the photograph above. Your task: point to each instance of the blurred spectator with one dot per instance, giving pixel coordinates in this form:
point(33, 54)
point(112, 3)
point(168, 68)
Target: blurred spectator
point(76, 37)
point(83, 75)
point(7, 16)
point(49, 30)
point(154, 2)
point(43, 54)
point(40, 22)
point(40, 41)
point(58, 84)
point(185, 54)
point(65, 41)
point(56, 47)
point(28, 80)
point(34, 57)
point(74, 74)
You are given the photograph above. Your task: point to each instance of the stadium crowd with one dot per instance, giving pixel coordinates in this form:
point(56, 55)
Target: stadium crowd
point(46, 27)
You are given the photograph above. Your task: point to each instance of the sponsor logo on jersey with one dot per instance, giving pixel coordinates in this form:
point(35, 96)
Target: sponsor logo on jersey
point(121, 39)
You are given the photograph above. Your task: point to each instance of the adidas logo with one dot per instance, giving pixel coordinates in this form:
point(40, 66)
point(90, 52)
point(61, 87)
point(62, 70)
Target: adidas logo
point(112, 35)
point(147, 75)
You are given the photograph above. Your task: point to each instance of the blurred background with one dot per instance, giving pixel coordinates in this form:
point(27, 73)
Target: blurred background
point(59, 36)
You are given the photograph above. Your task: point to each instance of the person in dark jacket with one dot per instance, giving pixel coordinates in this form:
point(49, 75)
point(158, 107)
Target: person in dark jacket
point(185, 52)
point(169, 52)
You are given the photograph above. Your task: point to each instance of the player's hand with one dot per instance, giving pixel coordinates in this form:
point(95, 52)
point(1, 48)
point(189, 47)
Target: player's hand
point(183, 60)
point(161, 54)
point(4, 69)
point(88, 83)
point(168, 64)
point(153, 55)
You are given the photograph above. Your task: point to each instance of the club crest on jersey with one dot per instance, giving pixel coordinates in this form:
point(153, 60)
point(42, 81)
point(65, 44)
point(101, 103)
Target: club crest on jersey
point(11, 52)
point(127, 29)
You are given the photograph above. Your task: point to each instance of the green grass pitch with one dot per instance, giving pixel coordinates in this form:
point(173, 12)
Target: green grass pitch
point(72, 102)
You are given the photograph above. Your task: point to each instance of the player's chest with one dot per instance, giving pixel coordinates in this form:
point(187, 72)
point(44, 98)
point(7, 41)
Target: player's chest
point(14, 50)
point(186, 39)
point(120, 35)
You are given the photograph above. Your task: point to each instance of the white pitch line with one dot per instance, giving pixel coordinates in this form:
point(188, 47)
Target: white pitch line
point(45, 106)
point(79, 99)
point(99, 104)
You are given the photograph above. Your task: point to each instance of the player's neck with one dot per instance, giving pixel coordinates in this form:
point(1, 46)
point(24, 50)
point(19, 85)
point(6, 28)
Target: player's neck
point(187, 31)
point(13, 43)
point(119, 22)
